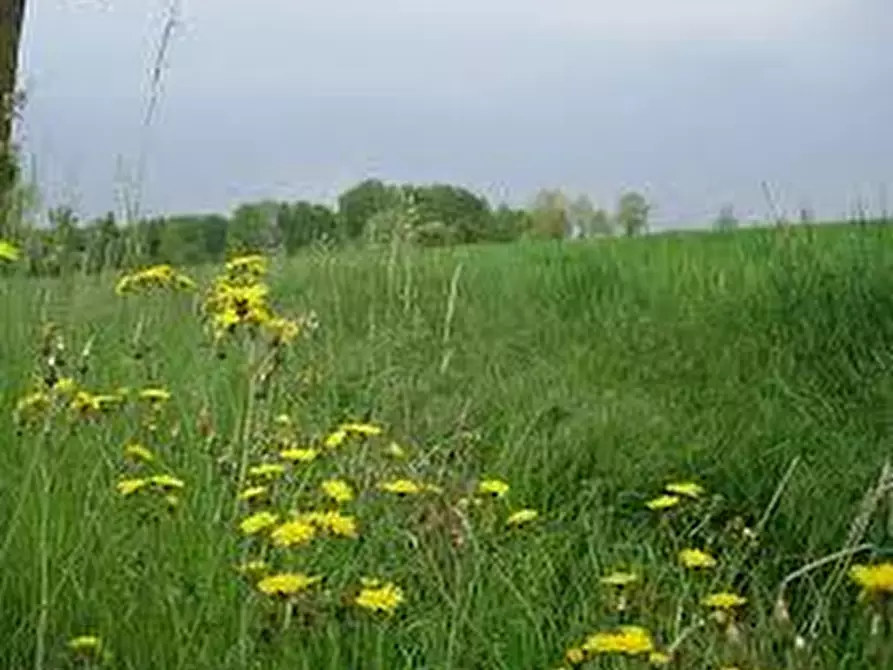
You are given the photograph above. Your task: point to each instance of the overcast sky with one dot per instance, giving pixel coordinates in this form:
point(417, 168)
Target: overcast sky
point(693, 101)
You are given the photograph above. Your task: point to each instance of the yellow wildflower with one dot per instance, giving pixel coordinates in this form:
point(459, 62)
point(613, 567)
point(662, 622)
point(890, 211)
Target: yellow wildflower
point(293, 533)
point(154, 395)
point(183, 282)
point(166, 482)
point(252, 493)
point(266, 470)
point(254, 567)
point(9, 252)
point(65, 385)
point(364, 429)
point(258, 522)
point(338, 490)
point(723, 601)
point(688, 489)
point(253, 264)
point(663, 502)
point(402, 487)
point(493, 487)
point(333, 522)
point(521, 517)
point(282, 420)
point(138, 452)
point(659, 658)
point(575, 656)
point(286, 583)
point(33, 401)
point(157, 276)
point(335, 439)
point(299, 455)
point(620, 579)
point(231, 305)
point(107, 400)
point(284, 331)
point(128, 487)
point(385, 598)
point(630, 640)
point(87, 645)
point(874, 579)
point(84, 402)
point(695, 558)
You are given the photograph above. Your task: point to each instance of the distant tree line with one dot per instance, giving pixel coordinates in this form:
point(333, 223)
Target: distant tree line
point(372, 212)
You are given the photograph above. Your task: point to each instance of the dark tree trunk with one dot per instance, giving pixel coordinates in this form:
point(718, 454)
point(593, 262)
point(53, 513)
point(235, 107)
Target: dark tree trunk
point(12, 18)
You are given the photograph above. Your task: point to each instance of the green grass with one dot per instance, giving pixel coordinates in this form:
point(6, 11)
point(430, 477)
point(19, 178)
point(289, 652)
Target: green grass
point(587, 375)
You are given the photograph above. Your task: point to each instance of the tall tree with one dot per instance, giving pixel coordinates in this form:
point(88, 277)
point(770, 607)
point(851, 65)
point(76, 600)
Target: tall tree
point(632, 213)
point(253, 227)
point(455, 207)
point(587, 221)
point(12, 18)
point(358, 204)
point(549, 214)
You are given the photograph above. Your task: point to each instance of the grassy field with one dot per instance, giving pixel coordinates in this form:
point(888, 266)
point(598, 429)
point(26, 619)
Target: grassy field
point(587, 376)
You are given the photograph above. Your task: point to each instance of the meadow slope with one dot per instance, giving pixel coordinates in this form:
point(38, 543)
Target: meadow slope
point(587, 376)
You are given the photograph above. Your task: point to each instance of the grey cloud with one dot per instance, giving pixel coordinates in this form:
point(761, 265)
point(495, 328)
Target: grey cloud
point(300, 99)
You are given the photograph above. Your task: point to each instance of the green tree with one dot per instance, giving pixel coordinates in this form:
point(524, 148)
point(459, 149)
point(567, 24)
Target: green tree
point(192, 240)
point(549, 214)
point(65, 249)
point(358, 204)
point(587, 221)
point(465, 213)
point(303, 223)
point(12, 18)
point(508, 224)
point(253, 227)
point(396, 223)
point(632, 213)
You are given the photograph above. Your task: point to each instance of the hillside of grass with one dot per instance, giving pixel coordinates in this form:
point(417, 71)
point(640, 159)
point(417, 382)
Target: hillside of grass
point(586, 376)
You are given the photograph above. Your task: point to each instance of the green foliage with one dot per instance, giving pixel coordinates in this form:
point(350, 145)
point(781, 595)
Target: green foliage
point(549, 214)
point(587, 221)
point(360, 203)
point(302, 223)
point(587, 376)
point(425, 215)
point(460, 209)
point(632, 213)
point(252, 228)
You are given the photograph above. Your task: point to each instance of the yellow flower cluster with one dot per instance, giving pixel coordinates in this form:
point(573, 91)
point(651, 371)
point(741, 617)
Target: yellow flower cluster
point(498, 488)
point(9, 252)
point(239, 297)
point(294, 460)
point(65, 394)
point(673, 494)
point(156, 277)
point(164, 484)
point(378, 597)
point(633, 641)
point(875, 580)
point(286, 584)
